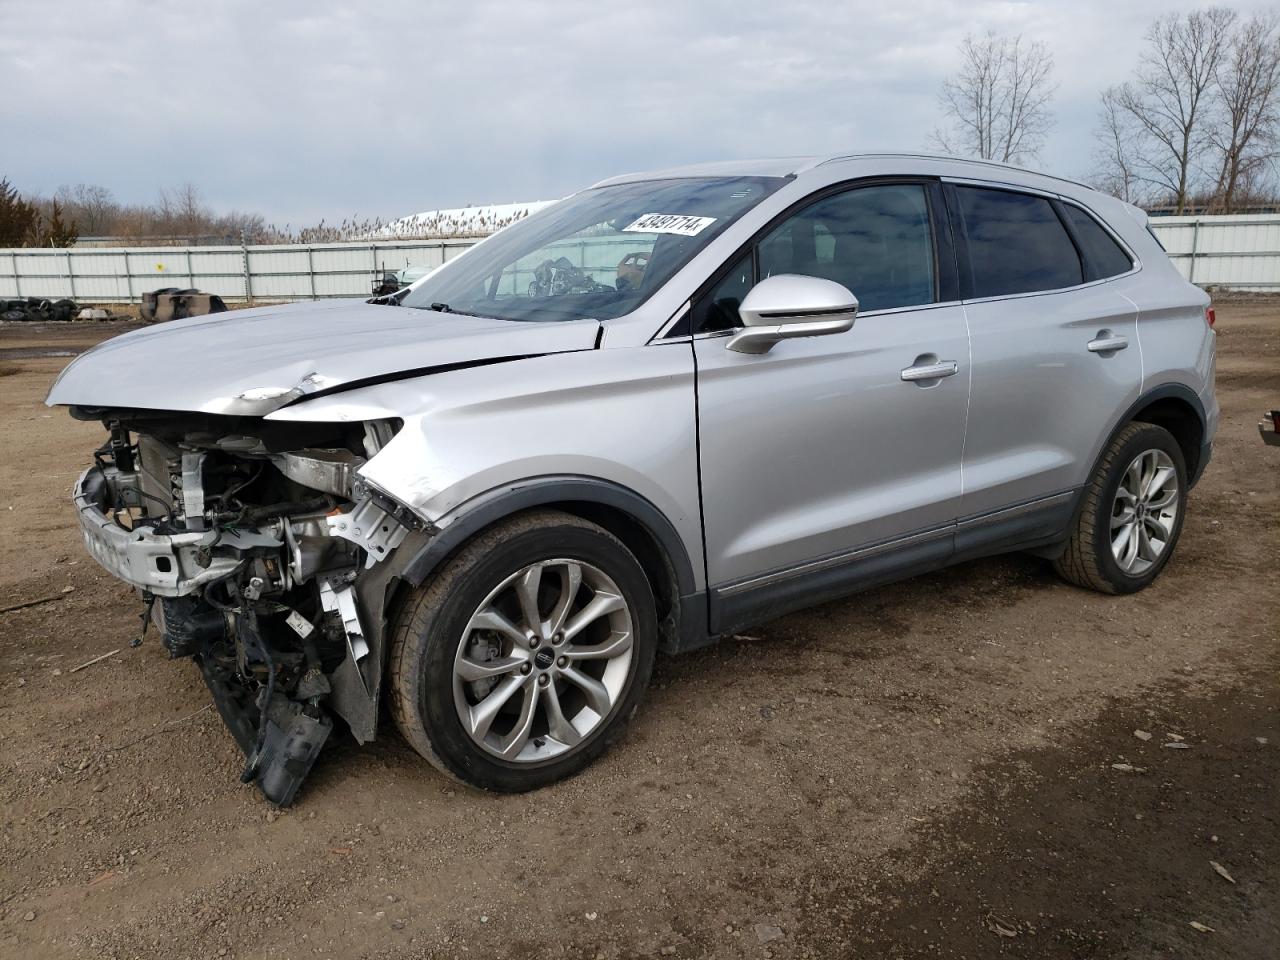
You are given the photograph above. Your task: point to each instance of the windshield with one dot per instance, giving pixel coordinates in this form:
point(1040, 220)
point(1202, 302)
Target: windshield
point(598, 254)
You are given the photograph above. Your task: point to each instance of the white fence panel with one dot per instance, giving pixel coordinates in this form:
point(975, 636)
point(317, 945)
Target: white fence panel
point(1239, 252)
point(98, 277)
point(266, 272)
point(1236, 252)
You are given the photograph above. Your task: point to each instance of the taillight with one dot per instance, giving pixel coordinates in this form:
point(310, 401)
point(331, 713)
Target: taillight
point(1210, 317)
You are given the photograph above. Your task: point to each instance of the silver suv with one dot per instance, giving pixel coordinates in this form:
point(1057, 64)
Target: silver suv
point(668, 407)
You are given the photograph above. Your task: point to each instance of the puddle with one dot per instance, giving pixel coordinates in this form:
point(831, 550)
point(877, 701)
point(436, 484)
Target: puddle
point(37, 353)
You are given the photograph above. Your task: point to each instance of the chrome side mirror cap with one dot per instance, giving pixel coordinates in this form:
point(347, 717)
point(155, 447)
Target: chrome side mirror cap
point(788, 305)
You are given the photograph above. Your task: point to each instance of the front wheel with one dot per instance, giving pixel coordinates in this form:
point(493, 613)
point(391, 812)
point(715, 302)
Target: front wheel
point(1132, 513)
point(524, 659)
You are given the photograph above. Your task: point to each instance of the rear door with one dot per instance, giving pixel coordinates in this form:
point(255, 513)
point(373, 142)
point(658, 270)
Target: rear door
point(822, 446)
point(1055, 349)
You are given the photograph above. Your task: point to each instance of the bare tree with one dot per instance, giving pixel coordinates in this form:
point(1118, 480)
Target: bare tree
point(92, 207)
point(1117, 173)
point(1244, 133)
point(997, 106)
point(1170, 100)
point(182, 212)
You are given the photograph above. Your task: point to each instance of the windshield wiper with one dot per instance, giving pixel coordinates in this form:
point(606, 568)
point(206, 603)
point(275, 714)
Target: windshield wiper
point(440, 307)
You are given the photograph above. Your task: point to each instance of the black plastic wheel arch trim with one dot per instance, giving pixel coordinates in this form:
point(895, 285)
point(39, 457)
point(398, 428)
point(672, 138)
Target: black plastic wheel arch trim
point(488, 508)
point(1179, 391)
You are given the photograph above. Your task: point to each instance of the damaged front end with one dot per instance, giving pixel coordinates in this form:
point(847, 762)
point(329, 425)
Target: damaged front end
point(262, 553)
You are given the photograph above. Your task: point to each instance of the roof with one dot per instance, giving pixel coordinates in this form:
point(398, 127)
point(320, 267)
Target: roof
point(775, 167)
point(790, 166)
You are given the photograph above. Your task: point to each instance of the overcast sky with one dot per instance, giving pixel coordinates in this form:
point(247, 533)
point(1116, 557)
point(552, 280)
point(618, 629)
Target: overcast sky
point(303, 110)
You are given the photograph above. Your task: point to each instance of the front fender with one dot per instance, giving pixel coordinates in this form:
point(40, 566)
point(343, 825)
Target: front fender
point(622, 418)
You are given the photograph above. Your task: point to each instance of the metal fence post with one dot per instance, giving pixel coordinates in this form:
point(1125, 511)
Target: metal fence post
point(17, 284)
point(128, 277)
point(248, 277)
point(191, 277)
point(311, 272)
point(71, 275)
point(1195, 246)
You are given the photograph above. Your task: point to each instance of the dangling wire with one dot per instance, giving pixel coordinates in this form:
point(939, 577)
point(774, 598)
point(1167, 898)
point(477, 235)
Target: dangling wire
point(150, 600)
point(247, 631)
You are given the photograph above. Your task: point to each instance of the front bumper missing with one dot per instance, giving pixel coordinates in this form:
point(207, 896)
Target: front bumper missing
point(281, 730)
point(165, 564)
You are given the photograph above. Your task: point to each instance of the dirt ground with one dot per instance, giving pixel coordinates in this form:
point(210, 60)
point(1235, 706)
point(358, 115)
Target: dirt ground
point(926, 770)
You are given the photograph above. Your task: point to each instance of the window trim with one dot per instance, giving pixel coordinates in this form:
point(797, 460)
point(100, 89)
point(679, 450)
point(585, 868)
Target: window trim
point(962, 248)
point(1063, 203)
point(946, 281)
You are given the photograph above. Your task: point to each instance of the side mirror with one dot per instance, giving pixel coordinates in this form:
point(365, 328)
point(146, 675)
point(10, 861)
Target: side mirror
point(788, 305)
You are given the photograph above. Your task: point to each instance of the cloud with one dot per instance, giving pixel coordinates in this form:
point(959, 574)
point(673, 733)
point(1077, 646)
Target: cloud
point(309, 109)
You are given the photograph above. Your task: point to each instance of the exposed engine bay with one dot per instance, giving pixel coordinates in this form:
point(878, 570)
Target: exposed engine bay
point(251, 542)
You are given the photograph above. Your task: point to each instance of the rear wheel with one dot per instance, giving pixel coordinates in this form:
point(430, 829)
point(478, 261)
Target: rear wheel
point(1132, 513)
point(524, 659)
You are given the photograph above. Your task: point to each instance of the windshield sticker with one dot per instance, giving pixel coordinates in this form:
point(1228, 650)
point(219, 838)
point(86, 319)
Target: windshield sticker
point(670, 223)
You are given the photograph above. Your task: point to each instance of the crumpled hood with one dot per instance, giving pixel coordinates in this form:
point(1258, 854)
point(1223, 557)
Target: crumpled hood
point(250, 362)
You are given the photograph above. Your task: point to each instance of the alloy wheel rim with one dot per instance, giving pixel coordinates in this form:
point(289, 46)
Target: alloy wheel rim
point(543, 661)
point(1144, 512)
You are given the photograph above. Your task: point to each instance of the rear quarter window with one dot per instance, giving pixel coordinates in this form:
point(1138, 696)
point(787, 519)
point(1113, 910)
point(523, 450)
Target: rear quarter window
point(1103, 257)
point(1016, 243)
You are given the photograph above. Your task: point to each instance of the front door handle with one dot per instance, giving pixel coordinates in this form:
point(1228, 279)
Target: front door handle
point(1107, 342)
point(935, 370)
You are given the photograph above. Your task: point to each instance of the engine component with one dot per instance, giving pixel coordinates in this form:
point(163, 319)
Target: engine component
point(188, 625)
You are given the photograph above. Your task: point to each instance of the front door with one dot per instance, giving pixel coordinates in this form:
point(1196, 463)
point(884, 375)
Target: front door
point(831, 448)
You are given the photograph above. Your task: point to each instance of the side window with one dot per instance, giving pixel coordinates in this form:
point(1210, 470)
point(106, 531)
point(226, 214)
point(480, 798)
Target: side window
point(1103, 257)
point(1016, 243)
point(875, 241)
point(719, 307)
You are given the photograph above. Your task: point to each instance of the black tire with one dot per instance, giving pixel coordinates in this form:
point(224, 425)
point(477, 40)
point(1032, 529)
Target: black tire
point(1088, 560)
point(429, 625)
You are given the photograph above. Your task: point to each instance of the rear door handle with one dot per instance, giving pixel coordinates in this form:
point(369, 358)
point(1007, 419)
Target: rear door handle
point(931, 371)
point(1107, 343)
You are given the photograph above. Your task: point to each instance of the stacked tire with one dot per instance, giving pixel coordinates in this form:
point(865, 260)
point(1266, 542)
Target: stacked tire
point(38, 310)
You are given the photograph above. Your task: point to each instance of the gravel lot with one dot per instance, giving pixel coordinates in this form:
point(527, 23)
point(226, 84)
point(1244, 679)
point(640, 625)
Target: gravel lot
point(927, 769)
